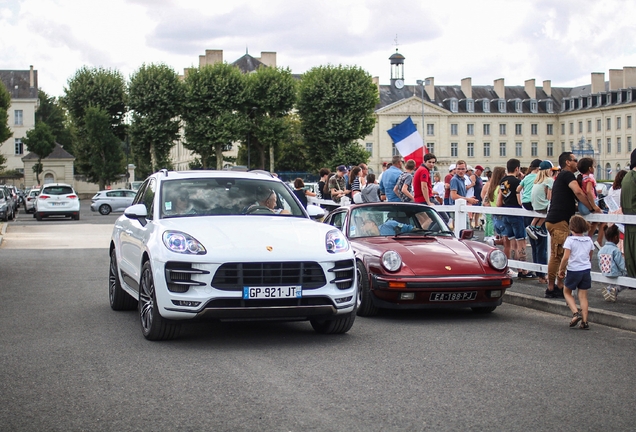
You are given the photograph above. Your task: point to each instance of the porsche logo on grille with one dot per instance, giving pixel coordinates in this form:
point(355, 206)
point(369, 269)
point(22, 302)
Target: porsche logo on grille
point(269, 248)
point(448, 268)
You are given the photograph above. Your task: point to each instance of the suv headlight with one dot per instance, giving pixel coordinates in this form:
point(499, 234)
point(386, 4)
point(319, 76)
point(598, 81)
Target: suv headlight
point(391, 260)
point(179, 242)
point(497, 259)
point(336, 242)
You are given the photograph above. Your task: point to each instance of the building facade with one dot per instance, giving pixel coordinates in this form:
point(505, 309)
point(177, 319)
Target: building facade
point(23, 88)
point(489, 124)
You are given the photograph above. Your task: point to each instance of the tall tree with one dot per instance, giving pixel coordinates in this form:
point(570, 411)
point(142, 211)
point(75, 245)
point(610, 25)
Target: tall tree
point(5, 103)
point(51, 112)
point(39, 140)
point(270, 96)
point(156, 97)
point(101, 150)
point(214, 111)
point(336, 107)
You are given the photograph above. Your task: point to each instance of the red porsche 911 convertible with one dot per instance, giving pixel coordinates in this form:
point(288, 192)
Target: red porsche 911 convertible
point(408, 258)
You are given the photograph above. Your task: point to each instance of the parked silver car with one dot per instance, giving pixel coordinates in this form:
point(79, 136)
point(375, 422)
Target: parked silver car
point(6, 206)
point(116, 200)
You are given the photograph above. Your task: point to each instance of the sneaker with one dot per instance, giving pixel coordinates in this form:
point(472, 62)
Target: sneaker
point(531, 232)
point(558, 293)
point(607, 294)
point(583, 326)
point(576, 317)
point(597, 245)
point(528, 275)
point(550, 294)
point(541, 232)
point(490, 241)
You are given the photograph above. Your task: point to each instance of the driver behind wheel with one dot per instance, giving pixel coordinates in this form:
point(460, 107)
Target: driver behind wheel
point(179, 203)
point(392, 227)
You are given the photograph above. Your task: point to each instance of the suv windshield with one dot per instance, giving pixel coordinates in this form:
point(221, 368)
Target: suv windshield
point(57, 190)
point(226, 196)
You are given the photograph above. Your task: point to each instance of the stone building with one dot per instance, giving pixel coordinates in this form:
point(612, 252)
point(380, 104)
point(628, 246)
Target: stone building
point(489, 124)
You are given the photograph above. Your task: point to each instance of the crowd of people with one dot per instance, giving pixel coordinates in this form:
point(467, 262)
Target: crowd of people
point(556, 192)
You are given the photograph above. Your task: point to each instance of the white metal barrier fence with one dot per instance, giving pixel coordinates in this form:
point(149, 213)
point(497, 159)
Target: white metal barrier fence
point(461, 210)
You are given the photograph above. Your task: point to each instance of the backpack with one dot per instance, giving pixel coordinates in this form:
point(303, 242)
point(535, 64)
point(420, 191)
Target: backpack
point(400, 183)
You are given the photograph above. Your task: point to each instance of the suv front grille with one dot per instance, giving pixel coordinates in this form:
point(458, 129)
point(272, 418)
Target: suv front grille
point(179, 276)
point(234, 276)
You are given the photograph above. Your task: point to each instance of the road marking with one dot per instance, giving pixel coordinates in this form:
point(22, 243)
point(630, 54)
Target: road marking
point(72, 236)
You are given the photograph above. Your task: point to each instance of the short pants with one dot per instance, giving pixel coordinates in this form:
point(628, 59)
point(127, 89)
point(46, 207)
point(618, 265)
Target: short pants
point(581, 279)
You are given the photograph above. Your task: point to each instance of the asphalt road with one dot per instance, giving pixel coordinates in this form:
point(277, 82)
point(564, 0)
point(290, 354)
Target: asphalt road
point(68, 362)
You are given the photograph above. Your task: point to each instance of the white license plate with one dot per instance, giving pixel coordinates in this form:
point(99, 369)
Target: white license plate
point(454, 296)
point(54, 204)
point(272, 292)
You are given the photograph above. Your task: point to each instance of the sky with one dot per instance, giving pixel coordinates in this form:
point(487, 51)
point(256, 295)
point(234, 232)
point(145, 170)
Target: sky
point(558, 40)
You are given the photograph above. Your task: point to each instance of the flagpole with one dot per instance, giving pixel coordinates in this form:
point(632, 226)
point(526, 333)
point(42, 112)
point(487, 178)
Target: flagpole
point(421, 83)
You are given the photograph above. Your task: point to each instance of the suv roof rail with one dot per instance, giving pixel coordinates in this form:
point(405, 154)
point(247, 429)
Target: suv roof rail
point(164, 171)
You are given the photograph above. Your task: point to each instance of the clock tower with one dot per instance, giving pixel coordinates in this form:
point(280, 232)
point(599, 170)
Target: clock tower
point(397, 70)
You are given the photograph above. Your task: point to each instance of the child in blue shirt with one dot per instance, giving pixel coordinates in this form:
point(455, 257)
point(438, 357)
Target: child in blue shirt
point(611, 262)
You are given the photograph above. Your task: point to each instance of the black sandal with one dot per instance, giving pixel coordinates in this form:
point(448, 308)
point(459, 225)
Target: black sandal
point(576, 317)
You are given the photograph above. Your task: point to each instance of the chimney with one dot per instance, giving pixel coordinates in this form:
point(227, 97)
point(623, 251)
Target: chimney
point(376, 82)
point(598, 82)
point(615, 79)
point(500, 89)
point(211, 57)
point(467, 87)
point(429, 86)
point(629, 77)
point(530, 88)
point(31, 77)
point(268, 58)
point(547, 87)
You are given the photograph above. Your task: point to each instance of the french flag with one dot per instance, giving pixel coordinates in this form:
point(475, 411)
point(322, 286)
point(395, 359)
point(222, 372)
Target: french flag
point(408, 141)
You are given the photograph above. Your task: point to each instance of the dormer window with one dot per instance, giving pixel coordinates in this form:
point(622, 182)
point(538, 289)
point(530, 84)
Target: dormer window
point(589, 101)
point(518, 106)
point(486, 105)
point(580, 104)
point(470, 105)
point(534, 106)
point(454, 106)
point(628, 96)
point(501, 105)
point(549, 106)
point(608, 99)
point(599, 100)
point(619, 97)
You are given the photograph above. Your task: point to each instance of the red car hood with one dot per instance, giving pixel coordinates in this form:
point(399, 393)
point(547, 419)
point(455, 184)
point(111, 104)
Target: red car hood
point(430, 256)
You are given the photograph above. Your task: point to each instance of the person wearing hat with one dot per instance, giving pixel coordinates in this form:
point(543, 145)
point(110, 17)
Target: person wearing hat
point(338, 184)
point(628, 203)
point(563, 205)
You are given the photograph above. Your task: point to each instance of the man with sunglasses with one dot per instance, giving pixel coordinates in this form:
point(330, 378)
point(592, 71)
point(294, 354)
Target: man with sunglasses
point(565, 193)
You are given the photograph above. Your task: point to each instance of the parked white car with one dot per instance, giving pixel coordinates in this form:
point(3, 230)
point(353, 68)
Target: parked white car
point(29, 200)
point(116, 200)
point(57, 199)
point(228, 245)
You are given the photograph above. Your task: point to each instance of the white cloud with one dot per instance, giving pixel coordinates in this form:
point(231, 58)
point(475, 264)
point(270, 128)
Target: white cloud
point(561, 40)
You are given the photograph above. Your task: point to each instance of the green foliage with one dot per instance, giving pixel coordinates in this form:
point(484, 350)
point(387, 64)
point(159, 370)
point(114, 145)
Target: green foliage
point(5, 102)
point(51, 112)
point(3, 161)
point(101, 151)
point(293, 153)
point(156, 98)
point(347, 155)
point(39, 140)
point(270, 97)
point(336, 106)
point(101, 88)
point(214, 111)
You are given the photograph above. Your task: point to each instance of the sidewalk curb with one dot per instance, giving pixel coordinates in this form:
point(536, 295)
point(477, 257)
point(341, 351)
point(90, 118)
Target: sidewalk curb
point(3, 230)
point(597, 316)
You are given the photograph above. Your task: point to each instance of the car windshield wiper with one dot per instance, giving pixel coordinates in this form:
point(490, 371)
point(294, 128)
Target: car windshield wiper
point(417, 231)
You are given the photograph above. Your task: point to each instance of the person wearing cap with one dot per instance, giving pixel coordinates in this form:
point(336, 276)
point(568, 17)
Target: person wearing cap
point(338, 184)
point(389, 180)
point(563, 205)
point(628, 203)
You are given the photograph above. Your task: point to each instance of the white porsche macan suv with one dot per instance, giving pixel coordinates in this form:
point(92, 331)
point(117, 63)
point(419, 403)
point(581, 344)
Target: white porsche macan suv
point(228, 245)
